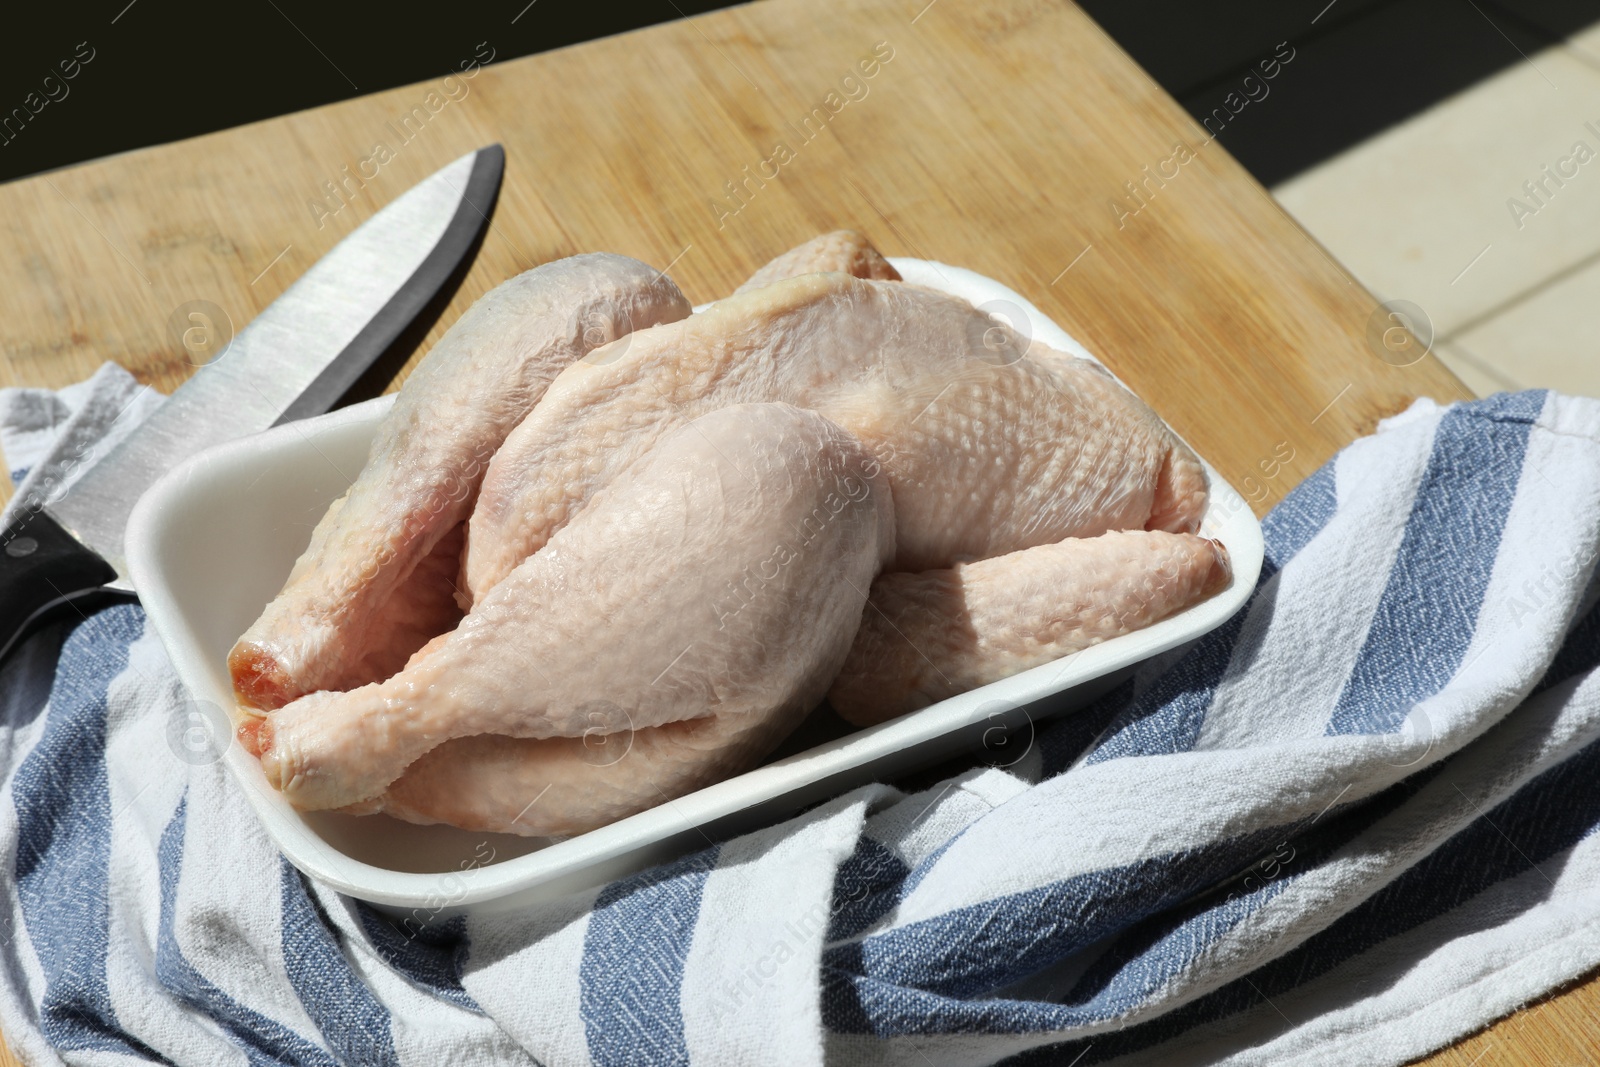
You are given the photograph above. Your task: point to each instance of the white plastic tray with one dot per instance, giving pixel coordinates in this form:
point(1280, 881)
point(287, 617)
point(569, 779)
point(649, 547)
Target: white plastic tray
point(212, 542)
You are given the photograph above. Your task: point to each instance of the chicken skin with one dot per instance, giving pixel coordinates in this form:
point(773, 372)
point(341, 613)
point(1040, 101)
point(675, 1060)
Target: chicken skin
point(842, 251)
point(734, 528)
point(831, 483)
point(989, 449)
point(377, 580)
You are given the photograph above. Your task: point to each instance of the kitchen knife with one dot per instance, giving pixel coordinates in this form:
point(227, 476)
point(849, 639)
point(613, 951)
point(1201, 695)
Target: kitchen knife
point(297, 358)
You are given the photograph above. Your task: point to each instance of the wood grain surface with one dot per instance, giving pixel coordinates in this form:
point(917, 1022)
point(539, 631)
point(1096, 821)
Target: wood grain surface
point(1008, 136)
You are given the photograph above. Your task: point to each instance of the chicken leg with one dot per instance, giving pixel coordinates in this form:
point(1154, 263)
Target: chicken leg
point(357, 604)
point(723, 575)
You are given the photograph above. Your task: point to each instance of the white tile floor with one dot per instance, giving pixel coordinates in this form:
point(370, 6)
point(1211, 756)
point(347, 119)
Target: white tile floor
point(1485, 212)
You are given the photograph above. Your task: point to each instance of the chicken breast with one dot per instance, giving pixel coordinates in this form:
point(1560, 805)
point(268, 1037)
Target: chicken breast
point(723, 575)
point(991, 446)
point(361, 599)
point(844, 251)
point(930, 635)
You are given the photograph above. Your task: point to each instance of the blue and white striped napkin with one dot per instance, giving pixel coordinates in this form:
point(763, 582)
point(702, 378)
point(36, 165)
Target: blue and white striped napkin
point(1348, 827)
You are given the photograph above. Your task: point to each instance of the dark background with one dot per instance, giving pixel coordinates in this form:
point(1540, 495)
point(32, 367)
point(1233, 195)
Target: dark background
point(168, 69)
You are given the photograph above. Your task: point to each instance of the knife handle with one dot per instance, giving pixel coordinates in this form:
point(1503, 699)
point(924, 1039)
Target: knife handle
point(43, 570)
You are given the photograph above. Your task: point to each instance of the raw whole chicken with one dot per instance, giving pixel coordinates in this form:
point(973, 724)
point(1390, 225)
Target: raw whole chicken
point(831, 482)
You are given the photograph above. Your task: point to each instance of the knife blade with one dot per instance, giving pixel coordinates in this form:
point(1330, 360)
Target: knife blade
point(295, 359)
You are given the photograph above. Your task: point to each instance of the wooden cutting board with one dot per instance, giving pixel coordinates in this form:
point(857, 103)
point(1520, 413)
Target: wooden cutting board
point(1009, 136)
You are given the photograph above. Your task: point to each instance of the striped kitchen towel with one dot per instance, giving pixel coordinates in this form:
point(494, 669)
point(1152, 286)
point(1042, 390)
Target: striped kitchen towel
point(1352, 824)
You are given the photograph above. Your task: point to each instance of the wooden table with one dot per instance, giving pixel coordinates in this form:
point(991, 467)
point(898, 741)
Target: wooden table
point(1011, 137)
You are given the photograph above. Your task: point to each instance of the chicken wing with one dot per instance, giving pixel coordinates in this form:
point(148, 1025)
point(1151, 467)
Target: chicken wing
point(931, 635)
